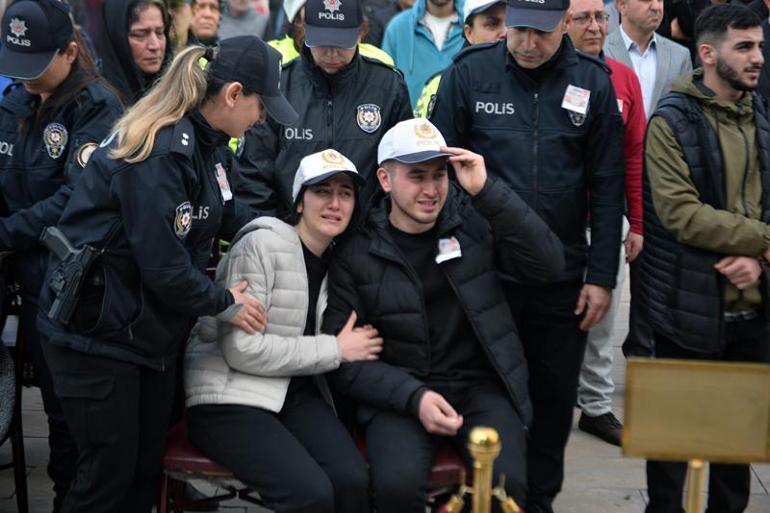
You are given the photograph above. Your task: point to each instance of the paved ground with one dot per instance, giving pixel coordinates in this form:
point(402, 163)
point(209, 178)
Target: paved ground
point(598, 478)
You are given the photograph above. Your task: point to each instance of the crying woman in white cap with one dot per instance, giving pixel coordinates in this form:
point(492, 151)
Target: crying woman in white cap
point(271, 382)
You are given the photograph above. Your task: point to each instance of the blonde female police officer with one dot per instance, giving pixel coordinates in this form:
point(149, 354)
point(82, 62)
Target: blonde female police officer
point(151, 202)
point(49, 123)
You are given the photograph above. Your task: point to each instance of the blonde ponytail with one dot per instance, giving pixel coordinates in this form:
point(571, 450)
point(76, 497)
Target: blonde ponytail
point(181, 88)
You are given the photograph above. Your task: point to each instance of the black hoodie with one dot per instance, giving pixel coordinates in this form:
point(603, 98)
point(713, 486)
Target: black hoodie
point(116, 61)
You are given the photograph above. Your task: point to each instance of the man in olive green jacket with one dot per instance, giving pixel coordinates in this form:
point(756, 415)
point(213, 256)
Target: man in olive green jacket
point(706, 215)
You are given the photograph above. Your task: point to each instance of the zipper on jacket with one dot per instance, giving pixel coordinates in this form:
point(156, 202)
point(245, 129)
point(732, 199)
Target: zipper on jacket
point(487, 350)
point(535, 137)
point(745, 166)
point(330, 119)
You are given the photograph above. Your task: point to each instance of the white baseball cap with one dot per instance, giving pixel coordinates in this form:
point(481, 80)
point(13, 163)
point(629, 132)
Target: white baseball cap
point(411, 141)
point(321, 166)
point(292, 7)
point(476, 6)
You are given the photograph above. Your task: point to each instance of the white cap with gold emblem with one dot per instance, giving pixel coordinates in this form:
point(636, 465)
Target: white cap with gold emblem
point(411, 141)
point(321, 166)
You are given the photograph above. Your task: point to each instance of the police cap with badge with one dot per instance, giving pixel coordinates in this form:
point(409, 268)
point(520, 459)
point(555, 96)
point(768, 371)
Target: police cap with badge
point(33, 33)
point(542, 15)
point(334, 23)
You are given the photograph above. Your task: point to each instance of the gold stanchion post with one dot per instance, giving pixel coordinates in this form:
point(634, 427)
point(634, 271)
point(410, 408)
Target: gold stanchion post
point(696, 485)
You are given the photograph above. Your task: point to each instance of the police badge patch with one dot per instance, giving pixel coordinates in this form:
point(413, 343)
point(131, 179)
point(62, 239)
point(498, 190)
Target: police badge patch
point(368, 117)
point(576, 118)
point(55, 139)
point(84, 153)
point(183, 220)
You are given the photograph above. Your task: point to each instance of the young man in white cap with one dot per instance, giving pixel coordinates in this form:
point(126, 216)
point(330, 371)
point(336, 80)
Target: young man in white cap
point(346, 101)
point(484, 23)
point(546, 119)
point(423, 270)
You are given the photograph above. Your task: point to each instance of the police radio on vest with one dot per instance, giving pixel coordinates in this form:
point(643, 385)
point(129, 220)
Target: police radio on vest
point(338, 16)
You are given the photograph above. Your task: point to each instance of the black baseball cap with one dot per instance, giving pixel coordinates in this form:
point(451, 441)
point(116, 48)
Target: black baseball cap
point(250, 61)
point(332, 23)
point(33, 32)
point(542, 15)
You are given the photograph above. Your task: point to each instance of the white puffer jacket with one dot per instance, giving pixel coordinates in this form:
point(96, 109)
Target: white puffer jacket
point(226, 365)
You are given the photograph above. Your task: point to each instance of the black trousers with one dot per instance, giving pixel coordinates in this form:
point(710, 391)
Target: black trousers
point(729, 485)
point(639, 341)
point(299, 460)
point(63, 450)
point(400, 451)
point(554, 346)
point(118, 414)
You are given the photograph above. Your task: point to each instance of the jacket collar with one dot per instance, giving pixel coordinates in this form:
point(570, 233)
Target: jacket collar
point(324, 81)
point(565, 56)
point(382, 243)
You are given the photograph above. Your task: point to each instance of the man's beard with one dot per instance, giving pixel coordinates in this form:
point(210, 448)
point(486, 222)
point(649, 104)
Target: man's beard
point(731, 76)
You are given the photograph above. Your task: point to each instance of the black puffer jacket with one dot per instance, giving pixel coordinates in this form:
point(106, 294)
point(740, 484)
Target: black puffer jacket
point(349, 111)
point(552, 157)
point(496, 230)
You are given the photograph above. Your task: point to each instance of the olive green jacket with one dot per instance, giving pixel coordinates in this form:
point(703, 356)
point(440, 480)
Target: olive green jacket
point(736, 230)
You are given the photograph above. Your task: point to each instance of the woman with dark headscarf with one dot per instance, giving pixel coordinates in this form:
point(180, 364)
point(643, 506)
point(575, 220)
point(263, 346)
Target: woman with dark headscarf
point(133, 45)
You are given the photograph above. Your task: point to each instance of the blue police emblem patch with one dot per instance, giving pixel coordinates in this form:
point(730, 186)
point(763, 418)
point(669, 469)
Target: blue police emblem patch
point(368, 117)
point(55, 139)
point(183, 220)
point(576, 118)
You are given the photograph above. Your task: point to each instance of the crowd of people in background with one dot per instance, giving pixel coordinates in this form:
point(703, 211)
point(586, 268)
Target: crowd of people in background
point(420, 213)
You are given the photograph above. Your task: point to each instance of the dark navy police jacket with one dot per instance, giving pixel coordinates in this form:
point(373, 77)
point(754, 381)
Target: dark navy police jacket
point(38, 171)
point(566, 166)
point(156, 221)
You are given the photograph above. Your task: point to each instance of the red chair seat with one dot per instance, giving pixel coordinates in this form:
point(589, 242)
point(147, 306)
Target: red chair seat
point(181, 456)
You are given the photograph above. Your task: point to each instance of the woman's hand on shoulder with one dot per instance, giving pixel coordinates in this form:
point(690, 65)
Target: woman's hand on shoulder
point(250, 316)
point(362, 343)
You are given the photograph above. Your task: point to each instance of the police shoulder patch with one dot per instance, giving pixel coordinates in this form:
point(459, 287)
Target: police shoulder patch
point(55, 138)
point(368, 117)
point(183, 220)
point(84, 153)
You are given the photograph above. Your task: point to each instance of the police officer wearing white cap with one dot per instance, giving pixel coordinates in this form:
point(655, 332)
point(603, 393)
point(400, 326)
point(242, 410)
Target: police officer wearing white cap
point(154, 196)
point(259, 404)
point(423, 270)
point(346, 101)
point(545, 117)
point(49, 124)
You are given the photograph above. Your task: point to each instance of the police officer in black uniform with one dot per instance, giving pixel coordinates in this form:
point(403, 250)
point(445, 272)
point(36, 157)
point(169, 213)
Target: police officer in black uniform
point(49, 124)
point(345, 101)
point(154, 197)
point(545, 117)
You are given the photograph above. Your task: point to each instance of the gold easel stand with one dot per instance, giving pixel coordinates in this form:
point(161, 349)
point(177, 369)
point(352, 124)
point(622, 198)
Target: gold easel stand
point(697, 411)
point(484, 446)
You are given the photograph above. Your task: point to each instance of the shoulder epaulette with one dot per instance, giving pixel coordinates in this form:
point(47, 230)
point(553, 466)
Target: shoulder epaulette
point(181, 138)
point(464, 52)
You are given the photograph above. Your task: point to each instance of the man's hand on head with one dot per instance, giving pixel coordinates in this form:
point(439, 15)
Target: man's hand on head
point(469, 168)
